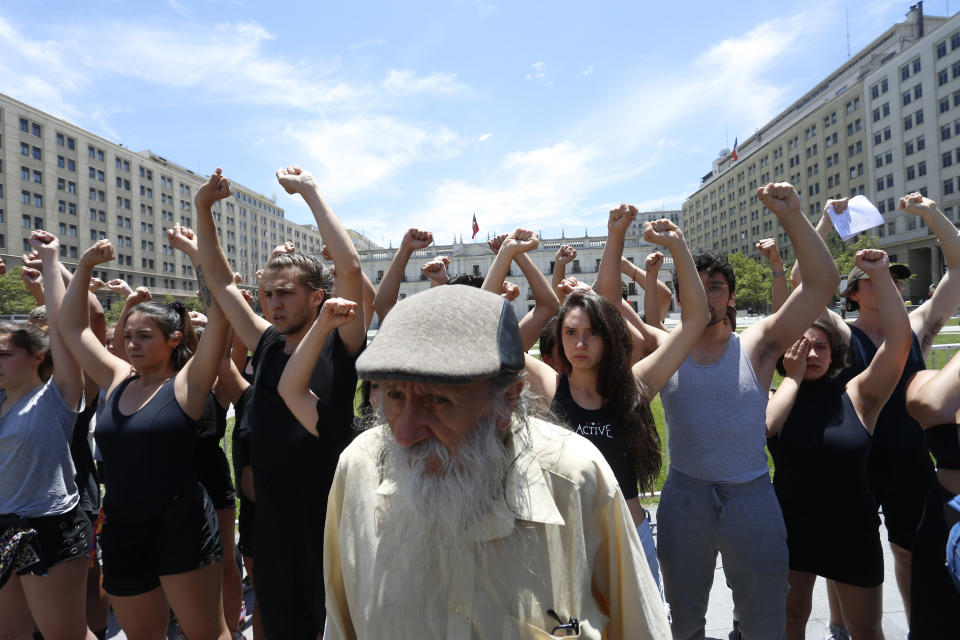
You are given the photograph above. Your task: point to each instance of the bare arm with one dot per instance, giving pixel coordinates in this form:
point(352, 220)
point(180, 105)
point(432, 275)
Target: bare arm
point(927, 320)
point(655, 305)
point(436, 271)
point(413, 240)
point(657, 368)
point(824, 227)
point(545, 300)
point(768, 249)
point(870, 390)
point(216, 269)
point(933, 397)
point(294, 386)
point(770, 337)
point(565, 255)
point(33, 280)
point(345, 256)
point(781, 404)
point(67, 374)
point(105, 368)
point(194, 382)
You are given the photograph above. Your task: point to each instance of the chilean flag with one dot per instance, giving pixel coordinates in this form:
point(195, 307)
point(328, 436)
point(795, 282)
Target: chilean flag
point(476, 227)
point(734, 154)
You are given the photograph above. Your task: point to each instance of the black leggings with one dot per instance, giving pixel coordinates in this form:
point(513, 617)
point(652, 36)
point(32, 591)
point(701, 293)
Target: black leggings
point(935, 601)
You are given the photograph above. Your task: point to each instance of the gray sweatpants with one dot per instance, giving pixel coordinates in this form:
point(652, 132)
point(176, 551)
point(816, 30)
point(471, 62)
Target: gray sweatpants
point(742, 522)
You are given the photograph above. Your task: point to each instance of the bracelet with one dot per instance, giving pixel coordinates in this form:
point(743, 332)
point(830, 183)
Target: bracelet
point(779, 274)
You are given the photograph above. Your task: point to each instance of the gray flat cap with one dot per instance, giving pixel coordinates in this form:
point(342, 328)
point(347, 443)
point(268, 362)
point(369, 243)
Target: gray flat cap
point(452, 334)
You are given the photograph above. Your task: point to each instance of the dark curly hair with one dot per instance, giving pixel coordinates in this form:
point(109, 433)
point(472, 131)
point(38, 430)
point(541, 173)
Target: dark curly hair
point(621, 391)
point(839, 350)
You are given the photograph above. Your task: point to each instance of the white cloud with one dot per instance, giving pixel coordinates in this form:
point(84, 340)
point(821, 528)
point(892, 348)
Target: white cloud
point(538, 72)
point(485, 137)
point(586, 72)
point(405, 83)
point(357, 153)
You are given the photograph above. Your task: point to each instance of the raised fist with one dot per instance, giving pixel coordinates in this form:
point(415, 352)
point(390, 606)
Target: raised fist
point(216, 188)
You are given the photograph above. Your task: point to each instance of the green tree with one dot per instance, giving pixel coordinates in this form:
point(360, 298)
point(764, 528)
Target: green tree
point(845, 254)
point(14, 296)
point(753, 282)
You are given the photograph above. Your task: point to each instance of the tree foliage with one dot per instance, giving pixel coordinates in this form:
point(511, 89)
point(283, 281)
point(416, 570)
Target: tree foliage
point(15, 298)
point(754, 284)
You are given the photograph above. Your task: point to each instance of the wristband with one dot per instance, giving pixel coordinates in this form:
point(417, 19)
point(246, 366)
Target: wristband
point(779, 274)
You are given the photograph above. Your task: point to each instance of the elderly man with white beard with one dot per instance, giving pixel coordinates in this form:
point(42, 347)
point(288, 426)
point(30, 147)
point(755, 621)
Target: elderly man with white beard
point(458, 514)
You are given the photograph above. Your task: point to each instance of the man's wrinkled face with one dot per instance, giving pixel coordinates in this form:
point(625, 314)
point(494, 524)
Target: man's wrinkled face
point(419, 412)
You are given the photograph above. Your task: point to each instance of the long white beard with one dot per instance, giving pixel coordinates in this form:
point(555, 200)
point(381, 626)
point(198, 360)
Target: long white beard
point(441, 494)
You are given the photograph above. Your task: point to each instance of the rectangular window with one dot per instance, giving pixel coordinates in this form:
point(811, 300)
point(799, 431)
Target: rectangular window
point(922, 169)
point(942, 77)
point(907, 98)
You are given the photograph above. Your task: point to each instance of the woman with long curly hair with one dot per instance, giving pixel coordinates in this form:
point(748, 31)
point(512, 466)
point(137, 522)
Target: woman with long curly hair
point(604, 397)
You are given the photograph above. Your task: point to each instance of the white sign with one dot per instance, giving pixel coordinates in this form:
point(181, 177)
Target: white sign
point(859, 216)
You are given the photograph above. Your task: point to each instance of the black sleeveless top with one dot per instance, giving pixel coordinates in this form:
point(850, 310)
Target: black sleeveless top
point(147, 456)
point(821, 456)
point(944, 442)
point(88, 483)
point(895, 428)
point(601, 427)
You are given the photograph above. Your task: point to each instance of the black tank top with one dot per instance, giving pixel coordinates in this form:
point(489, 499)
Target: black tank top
point(602, 428)
point(147, 457)
point(821, 455)
point(88, 484)
point(895, 428)
point(944, 442)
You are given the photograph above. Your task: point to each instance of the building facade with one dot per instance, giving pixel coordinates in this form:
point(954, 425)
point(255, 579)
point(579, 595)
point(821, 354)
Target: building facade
point(885, 124)
point(73, 183)
point(475, 258)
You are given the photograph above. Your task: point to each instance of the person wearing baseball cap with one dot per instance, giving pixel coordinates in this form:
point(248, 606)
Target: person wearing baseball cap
point(459, 513)
point(899, 273)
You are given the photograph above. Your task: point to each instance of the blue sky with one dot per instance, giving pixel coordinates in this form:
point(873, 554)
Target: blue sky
point(421, 113)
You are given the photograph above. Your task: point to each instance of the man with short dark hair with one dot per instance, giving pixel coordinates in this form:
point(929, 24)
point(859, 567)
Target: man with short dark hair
point(718, 497)
point(458, 513)
point(292, 469)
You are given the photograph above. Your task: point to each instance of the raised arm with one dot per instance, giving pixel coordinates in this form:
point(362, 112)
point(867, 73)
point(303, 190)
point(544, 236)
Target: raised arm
point(781, 404)
point(933, 397)
point(870, 390)
point(770, 337)
point(655, 305)
point(216, 271)
point(565, 255)
point(824, 227)
point(33, 280)
point(105, 368)
point(195, 380)
point(345, 257)
point(294, 386)
point(436, 271)
point(658, 367)
point(927, 320)
point(768, 249)
point(646, 337)
point(545, 300)
point(67, 374)
point(507, 247)
point(413, 240)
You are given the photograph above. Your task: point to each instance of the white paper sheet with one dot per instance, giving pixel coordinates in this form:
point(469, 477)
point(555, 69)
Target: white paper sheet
point(859, 216)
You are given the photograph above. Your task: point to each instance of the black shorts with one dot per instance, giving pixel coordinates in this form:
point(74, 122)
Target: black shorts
point(934, 601)
point(185, 537)
point(900, 480)
point(845, 550)
point(213, 471)
point(246, 526)
point(60, 538)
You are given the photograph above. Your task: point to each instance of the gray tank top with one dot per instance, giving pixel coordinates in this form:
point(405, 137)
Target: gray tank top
point(716, 417)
